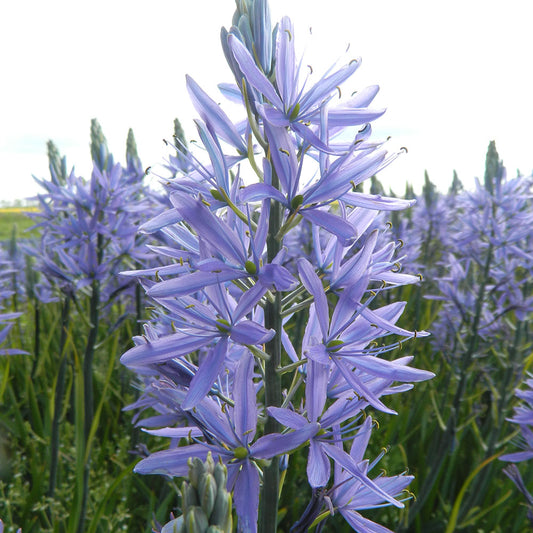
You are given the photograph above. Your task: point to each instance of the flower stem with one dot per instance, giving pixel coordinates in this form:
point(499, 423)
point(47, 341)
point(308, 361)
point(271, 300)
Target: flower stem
point(270, 489)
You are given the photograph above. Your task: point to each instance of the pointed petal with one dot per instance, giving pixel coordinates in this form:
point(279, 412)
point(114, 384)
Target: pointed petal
point(287, 417)
point(390, 370)
point(171, 462)
point(246, 494)
point(249, 332)
point(206, 375)
point(314, 286)
point(163, 349)
point(245, 411)
point(318, 466)
point(190, 283)
point(252, 73)
point(276, 444)
point(212, 113)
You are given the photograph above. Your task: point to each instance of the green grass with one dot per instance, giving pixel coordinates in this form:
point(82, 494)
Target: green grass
point(11, 217)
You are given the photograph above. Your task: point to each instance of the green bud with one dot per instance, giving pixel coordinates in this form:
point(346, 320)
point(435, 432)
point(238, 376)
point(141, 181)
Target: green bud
point(196, 521)
point(190, 496)
point(209, 464)
point(207, 492)
point(196, 470)
point(221, 475)
point(221, 515)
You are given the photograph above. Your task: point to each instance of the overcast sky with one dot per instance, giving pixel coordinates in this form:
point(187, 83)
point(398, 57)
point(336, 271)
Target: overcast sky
point(453, 76)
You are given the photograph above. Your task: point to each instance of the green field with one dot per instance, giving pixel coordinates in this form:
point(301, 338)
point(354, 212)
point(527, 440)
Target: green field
point(11, 217)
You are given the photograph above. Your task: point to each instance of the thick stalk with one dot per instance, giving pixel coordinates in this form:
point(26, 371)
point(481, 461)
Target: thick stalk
point(270, 489)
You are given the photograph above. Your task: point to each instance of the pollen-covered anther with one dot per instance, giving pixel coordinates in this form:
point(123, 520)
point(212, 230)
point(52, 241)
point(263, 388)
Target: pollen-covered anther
point(283, 151)
point(310, 69)
point(404, 149)
point(339, 89)
point(388, 225)
point(147, 171)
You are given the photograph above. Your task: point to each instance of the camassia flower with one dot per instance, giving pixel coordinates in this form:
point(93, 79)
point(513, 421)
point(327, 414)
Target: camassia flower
point(228, 433)
point(287, 104)
point(214, 324)
point(523, 416)
point(258, 313)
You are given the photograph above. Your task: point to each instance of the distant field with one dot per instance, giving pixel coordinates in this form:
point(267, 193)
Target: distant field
point(15, 216)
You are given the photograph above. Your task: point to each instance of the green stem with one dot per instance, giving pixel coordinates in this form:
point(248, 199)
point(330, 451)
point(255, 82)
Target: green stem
point(273, 397)
point(88, 381)
point(58, 398)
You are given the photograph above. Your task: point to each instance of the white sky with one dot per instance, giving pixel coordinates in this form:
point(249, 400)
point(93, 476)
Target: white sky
point(454, 75)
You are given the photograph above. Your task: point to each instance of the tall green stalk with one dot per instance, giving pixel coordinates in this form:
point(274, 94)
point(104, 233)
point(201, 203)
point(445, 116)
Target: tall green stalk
point(273, 397)
point(94, 317)
point(59, 397)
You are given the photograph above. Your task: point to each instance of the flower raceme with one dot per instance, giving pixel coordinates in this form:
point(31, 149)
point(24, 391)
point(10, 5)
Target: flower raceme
point(237, 289)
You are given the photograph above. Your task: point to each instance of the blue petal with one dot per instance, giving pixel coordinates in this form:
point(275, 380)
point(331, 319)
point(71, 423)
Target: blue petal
point(373, 201)
point(212, 113)
point(286, 62)
point(259, 191)
point(318, 466)
point(171, 462)
point(245, 411)
point(190, 283)
point(326, 85)
point(206, 375)
point(348, 463)
point(212, 229)
point(276, 444)
point(314, 286)
point(163, 349)
point(246, 494)
point(332, 223)
point(249, 332)
point(287, 417)
point(391, 370)
point(252, 73)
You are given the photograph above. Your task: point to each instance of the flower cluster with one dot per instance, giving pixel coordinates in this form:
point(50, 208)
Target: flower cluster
point(489, 257)
point(274, 349)
point(89, 227)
